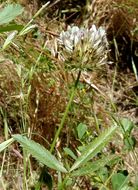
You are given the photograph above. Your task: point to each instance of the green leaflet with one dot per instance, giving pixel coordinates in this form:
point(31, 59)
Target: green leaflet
point(94, 147)
point(81, 129)
point(119, 182)
point(40, 153)
point(93, 166)
point(9, 13)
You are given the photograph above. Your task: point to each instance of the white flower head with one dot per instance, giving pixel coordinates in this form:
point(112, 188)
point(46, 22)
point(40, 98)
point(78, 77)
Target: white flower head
point(92, 42)
point(98, 37)
point(71, 37)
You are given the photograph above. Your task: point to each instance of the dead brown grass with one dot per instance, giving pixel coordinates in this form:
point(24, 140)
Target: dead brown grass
point(47, 102)
point(9, 91)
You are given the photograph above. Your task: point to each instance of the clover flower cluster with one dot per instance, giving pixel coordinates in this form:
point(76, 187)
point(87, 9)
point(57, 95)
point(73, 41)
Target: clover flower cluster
point(91, 42)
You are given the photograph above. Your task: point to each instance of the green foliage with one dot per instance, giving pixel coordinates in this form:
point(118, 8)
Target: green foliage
point(81, 129)
point(9, 13)
point(69, 152)
point(40, 153)
point(102, 174)
point(9, 39)
point(127, 124)
point(27, 29)
point(130, 143)
point(6, 144)
point(126, 128)
point(82, 164)
point(120, 182)
point(10, 27)
point(94, 147)
point(93, 166)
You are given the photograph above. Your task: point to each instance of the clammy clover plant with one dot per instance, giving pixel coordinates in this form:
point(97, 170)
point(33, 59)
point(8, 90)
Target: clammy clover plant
point(87, 48)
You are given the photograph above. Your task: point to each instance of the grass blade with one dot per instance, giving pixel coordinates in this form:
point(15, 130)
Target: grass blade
point(9, 39)
point(5, 144)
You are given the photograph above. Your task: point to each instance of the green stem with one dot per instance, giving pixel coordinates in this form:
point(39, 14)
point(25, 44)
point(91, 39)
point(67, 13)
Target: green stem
point(37, 13)
point(25, 170)
point(65, 113)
